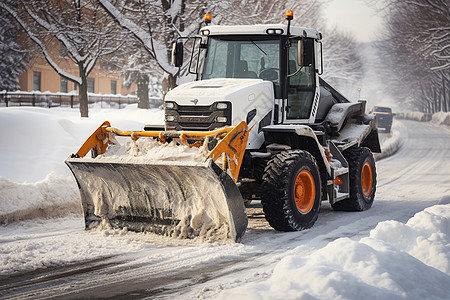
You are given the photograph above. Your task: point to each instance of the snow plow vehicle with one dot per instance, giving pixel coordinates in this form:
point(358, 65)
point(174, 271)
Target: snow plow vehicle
point(266, 126)
point(384, 117)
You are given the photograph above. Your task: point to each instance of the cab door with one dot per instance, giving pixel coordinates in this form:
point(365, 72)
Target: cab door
point(301, 82)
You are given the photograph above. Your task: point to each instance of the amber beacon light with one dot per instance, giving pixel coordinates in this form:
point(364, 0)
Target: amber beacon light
point(289, 15)
point(207, 19)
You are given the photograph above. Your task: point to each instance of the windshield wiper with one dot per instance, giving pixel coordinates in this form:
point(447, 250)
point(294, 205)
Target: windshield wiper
point(258, 47)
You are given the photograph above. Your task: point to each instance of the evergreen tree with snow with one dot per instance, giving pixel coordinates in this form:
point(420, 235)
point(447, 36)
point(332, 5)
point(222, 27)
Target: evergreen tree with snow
point(13, 59)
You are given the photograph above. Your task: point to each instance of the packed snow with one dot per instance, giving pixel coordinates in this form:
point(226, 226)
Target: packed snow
point(397, 260)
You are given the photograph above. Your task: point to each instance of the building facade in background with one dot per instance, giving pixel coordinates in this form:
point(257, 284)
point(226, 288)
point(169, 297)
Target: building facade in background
point(41, 77)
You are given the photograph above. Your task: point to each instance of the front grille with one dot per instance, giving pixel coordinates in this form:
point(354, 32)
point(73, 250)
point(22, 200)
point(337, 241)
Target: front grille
point(197, 117)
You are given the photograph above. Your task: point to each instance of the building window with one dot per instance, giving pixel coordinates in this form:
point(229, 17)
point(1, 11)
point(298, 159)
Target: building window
point(113, 87)
point(75, 86)
point(63, 85)
point(36, 81)
point(91, 85)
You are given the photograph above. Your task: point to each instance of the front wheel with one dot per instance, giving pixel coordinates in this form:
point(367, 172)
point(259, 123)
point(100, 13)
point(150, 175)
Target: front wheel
point(291, 191)
point(363, 180)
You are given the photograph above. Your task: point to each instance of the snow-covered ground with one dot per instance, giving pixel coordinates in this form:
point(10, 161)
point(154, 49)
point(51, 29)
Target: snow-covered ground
point(400, 249)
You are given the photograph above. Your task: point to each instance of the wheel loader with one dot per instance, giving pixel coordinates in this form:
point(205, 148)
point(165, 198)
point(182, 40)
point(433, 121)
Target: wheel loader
point(263, 125)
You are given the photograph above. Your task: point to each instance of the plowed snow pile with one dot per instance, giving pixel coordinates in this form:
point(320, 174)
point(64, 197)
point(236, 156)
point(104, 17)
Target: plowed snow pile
point(397, 261)
point(52, 197)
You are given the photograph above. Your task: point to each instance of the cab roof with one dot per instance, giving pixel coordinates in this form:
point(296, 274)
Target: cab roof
point(262, 29)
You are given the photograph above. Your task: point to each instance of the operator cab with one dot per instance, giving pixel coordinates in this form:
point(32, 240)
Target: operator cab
point(289, 57)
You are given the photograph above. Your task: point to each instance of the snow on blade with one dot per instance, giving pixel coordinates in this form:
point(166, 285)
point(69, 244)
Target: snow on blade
point(146, 150)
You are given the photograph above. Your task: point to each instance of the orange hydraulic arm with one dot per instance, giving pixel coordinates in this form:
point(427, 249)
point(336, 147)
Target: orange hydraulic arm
point(230, 142)
point(98, 142)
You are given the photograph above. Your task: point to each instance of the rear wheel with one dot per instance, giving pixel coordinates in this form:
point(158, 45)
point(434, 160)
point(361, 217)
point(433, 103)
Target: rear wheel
point(363, 180)
point(291, 191)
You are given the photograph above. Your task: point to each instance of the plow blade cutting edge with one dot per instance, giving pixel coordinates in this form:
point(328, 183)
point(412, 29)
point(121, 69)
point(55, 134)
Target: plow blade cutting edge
point(183, 199)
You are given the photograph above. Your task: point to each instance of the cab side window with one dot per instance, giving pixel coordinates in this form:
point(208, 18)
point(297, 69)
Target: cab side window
point(300, 81)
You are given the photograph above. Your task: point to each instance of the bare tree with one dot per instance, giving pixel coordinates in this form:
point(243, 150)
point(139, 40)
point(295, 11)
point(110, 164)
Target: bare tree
point(417, 52)
point(76, 29)
point(154, 25)
point(343, 67)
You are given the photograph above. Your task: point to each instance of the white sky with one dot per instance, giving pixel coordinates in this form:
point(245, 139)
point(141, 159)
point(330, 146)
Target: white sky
point(355, 16)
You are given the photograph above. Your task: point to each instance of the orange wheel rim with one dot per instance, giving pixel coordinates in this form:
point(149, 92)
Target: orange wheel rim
point(366, 179)
point(304, 191)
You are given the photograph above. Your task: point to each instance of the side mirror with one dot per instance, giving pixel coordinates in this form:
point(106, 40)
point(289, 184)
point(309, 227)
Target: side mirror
point(177, 54)
point(300, 54)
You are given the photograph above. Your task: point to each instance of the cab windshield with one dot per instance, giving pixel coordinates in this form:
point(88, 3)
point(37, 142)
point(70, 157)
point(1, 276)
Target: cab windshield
point(243, 57)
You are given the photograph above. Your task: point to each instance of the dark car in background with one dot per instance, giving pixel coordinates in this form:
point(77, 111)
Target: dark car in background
point(384, 117)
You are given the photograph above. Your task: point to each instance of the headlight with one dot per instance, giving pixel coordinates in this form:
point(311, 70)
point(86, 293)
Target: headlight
point(221, 119)
point(170, 105)
point(222, 106)
point(170, 118)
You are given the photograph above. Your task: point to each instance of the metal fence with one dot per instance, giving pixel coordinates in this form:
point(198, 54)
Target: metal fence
point(10, 99)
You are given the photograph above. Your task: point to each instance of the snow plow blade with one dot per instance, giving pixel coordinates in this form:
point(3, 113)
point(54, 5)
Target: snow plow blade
point(179, 198)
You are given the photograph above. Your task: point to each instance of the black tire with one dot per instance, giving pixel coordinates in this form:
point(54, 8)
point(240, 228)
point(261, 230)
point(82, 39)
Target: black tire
point(363, 180)
point(289, 176)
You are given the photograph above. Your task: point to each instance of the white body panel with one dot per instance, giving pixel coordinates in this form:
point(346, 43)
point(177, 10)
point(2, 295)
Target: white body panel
point(244, 94)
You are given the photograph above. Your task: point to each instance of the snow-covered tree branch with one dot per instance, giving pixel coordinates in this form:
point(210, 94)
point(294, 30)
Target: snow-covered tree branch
point(77, 30)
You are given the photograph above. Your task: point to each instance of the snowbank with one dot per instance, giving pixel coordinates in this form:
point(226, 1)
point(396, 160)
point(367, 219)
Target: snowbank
point(413, 115)
point(426, 236)
point(52, 197)
point(397, 261)
point(392, 142)
point(441, 118)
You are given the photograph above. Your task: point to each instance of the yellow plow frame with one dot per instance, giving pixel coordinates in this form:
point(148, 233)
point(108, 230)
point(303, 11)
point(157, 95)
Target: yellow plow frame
point(231, 141)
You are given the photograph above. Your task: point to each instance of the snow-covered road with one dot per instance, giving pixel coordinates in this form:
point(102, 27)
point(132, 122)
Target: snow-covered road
point(118, 264)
